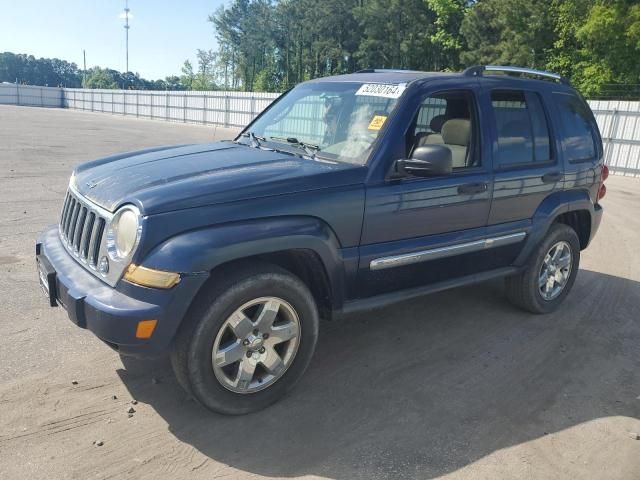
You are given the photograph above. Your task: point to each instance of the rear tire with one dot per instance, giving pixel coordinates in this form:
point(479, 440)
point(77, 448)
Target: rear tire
point(545, 282)
point(234, 367)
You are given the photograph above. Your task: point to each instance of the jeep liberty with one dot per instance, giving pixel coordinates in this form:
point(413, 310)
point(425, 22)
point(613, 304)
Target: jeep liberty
point(347, 193)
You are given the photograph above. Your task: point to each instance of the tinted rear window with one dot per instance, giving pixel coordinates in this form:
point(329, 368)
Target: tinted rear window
point(521, 124)
point(578, 142)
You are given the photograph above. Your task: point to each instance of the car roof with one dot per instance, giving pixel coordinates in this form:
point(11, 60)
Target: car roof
point(384, 76)
point(408, 76)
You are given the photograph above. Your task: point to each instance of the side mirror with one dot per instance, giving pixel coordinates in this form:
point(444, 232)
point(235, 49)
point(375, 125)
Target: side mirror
point(426, 161)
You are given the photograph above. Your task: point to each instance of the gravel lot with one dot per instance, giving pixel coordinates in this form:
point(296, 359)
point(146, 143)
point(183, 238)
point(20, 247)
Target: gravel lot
point(458, 384)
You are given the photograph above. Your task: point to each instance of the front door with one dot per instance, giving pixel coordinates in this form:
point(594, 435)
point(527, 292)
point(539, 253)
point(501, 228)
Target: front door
point(418, 231)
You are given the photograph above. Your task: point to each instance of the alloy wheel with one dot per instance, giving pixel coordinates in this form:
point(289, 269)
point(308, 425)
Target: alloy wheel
point(256, 345)
point(555, 270)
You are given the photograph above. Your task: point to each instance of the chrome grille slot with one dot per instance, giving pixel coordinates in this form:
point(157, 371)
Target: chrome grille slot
point(82, 226)
point(66, 212)
point(79, 231)
point(96, 241)
point(86, 238)
point(65, 208)
point(67, 220)
point(71, 229)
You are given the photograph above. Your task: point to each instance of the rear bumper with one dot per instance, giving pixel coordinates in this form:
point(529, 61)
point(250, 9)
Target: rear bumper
point(596, 218)
point(112, 314)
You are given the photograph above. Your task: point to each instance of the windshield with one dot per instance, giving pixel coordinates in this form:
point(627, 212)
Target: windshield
point(329, 120)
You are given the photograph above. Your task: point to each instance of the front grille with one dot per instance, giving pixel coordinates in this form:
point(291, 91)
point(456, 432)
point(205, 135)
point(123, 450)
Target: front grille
point(81, 228)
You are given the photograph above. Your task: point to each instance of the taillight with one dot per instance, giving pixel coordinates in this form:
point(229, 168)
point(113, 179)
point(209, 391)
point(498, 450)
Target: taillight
point(604, 174)
point(602, 192)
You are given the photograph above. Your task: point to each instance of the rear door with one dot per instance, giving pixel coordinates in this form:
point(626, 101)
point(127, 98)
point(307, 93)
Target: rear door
point(526, 166)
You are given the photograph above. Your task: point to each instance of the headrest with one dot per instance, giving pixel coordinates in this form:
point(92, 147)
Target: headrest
point(436, 123)
point(456, 132)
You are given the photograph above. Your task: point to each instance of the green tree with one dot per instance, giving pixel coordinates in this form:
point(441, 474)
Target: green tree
point(188, 76)
point(101, 78)
point(272, 45)
point(508, 32)
point(396, 34)
point(610, 41)
point(27, 69)
point(447, 38)
point(173, 82)
point(205, 78)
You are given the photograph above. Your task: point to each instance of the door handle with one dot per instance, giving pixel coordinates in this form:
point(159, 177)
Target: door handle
point(552, 177)
point(471, 188)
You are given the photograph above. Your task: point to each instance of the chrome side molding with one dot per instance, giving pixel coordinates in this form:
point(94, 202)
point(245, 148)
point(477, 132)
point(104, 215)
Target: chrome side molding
point(443, 252)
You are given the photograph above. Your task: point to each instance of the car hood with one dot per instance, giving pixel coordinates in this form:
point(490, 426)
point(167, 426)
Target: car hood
point(171, 178)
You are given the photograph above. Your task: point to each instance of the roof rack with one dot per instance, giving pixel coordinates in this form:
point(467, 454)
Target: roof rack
point(478, 70)
point(386, 70)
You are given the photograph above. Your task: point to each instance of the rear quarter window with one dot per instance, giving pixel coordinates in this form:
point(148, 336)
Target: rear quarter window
point(578, 131)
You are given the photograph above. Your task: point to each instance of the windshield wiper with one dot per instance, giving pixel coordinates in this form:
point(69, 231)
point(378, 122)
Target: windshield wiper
point(309, 148)
point(255, 140)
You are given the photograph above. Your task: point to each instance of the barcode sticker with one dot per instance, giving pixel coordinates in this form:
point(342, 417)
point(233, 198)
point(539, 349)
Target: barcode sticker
point(385, 90)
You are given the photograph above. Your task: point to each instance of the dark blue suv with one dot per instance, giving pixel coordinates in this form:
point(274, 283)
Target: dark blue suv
point(347, 193)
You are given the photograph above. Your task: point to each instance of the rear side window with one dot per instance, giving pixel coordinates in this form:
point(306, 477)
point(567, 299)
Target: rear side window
point(578, 142)
point(523, 133)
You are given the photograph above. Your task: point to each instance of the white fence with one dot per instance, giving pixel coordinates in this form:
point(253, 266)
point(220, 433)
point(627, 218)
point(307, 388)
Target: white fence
point(231, 109)
point(619, 121)
point(13, 94)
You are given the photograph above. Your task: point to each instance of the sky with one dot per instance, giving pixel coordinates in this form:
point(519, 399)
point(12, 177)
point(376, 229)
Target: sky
point(162, 36)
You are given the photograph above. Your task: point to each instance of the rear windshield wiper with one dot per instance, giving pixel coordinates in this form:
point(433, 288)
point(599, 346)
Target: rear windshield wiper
point(255, 140)
point(309, 148)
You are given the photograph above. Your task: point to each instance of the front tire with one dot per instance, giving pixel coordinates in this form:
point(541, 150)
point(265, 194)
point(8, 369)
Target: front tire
point(549, 273)
point(247, 340)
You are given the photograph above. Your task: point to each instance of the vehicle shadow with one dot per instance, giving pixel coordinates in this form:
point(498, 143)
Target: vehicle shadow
point(427, 387)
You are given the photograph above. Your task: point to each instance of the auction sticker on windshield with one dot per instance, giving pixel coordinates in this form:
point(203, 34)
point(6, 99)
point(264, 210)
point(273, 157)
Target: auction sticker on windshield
point(377, 122)
point(382, 90)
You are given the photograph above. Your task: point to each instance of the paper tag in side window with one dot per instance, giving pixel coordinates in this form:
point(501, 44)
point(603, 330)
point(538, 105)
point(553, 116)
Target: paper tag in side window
point(382, 90)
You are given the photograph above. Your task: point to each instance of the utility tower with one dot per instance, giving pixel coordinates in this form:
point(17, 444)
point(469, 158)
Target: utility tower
point(126, 29)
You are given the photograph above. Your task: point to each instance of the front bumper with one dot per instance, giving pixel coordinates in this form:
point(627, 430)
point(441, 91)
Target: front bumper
point(112, 314)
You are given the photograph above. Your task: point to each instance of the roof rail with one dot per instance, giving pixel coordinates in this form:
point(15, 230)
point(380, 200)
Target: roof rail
point(477, 71)
point(387, 70)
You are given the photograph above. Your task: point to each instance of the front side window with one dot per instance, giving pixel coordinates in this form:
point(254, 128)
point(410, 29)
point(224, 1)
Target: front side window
point(578, 141)
point(336, 120)
point(446, 119)
point(521, 125)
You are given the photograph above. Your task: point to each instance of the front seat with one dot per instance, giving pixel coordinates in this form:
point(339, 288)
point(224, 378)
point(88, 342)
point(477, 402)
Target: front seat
point(455, 135)
point(433, 137)
point(435, 125)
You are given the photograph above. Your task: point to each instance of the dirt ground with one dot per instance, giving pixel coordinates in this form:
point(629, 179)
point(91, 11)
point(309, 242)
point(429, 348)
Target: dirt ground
point(455, 385)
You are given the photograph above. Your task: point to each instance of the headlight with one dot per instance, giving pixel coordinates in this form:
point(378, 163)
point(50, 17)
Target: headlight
point(123, 233)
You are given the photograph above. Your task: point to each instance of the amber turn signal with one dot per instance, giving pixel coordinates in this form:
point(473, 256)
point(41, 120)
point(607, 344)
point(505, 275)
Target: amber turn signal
point(148, 277)
point(145, 328)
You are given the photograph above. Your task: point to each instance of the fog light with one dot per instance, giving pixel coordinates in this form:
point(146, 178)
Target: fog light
point(103, 265)
point(145, 328)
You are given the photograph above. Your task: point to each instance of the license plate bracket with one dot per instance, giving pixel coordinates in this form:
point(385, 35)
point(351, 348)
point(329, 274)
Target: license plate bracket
point(47, 279)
